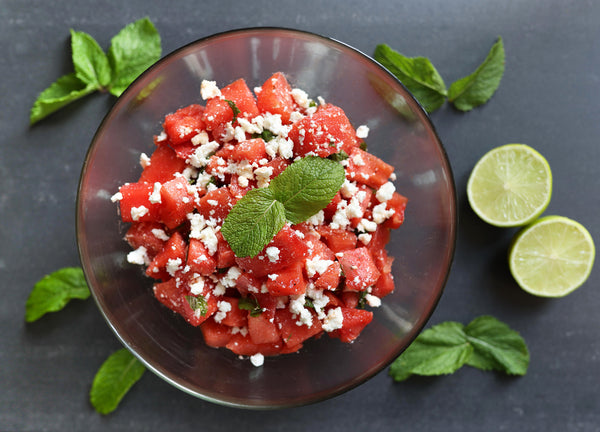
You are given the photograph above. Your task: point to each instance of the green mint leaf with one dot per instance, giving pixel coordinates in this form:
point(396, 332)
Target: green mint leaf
point(250, 304)
point(418, 75)
point(485, 343)
point(337, 157)
point(496, 347)
point(197, 303)
point(54, 291)
point(113, 380)
point(253, 222)
point(439, 350)
point(133, 50)
point(90, 62)
point(234, 108)
point(266, 135)
point(477, 88)
point(307, 186)
point(62, 92)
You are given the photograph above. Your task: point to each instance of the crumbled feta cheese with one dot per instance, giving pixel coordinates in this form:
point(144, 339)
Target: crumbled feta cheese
point(200, 139)
point(273, 276)
point(366, 225)
point(272, 253)
point(263, 176)
point(393, 177)
point(319, 300)
point(372, 300)
point(348, 189)
point(212, 202)
point(197, 224)
point(138, 256)
point(340, 218)
point(321, 100)
point(301, 98)
point(251, 128)
point(358, 160)
point(273, 123)
point(200, 157)
point(365, 238)
point(257, 359)
point(144, 160)
point(223, 307)
point(197, 286)
point(116, 197)
point(334, 320)
point(297, 308)
point(316, 219)
point(162, 136)
point(362, 132)
point(209, 89)
point(239, 134)
point(231, 277)
point(209, 238)
point(138, 212)
point(296, 116)
point(154, 197)
point(285, 147)
point(160, 234)
point(354, 208)
point(381, 213)
point(385, 192)
point(241, 330)
point(173, 264)
point(317, 265)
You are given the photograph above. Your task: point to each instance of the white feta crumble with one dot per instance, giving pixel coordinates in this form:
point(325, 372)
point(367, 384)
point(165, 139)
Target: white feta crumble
point(381, 213)
point(197, 286)
point(231, 277)
point(297, 308)
point(241, 330)
point(334, 320)
point(319, 300)
point(340, 218)
point(393, 176)
point(296, 116)
point(200, 157)
point(209, 89)
point(348, 189)
point(263, 176)
point(365, 238)
point(317, 265)
point(321, 100)
point(200, 139)
point(317, 219)
point(366, 225)
point(273, 276)
point(362, 131)
point(251, 128)
point(154, 197)
point(160, 234)
point(138, 256)
point(272, 253)
point(223, 307)
point(358, 160)
point(257, 359)
point(372, 300)
point(145, 160)
point(239, 134)
point(385, 192)
point(354, 209)
point(138, 212)
point(285, 147)
point(209, 238)
point(197, 224)
point(162, 136)
point(301, 98)
point(173, 264)
point(116, 197)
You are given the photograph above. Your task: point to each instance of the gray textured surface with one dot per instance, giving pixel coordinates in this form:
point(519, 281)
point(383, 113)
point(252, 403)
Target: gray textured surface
point(548, 98)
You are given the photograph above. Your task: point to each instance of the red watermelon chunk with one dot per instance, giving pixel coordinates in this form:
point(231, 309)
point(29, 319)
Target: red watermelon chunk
point(359, 269)
point(355, 320)
point(275, 97)
point(164, 163)
point(176, 202)
point(184, 123)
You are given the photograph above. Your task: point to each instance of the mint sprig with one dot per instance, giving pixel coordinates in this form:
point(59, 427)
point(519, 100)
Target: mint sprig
point(477, 88)
point(116, 376)
point(418, 75)
point(251, 305)
point(300, 191)
point(485, 343)
point(197, 303)
point(422, 79)
point(135, 48)
point(54, 291)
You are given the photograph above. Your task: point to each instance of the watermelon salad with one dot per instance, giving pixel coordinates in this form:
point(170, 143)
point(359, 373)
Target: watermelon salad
point(318, 277)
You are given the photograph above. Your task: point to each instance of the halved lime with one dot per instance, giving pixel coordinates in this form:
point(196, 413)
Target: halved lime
point(510, 185)
point(552, 257)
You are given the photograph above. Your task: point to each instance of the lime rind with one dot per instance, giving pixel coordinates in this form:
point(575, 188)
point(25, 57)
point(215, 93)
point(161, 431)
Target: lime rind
point(510, 186)
point(552, 257)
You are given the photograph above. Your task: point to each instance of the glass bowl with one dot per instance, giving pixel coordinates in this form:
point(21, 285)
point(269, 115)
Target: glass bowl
point(400, 133)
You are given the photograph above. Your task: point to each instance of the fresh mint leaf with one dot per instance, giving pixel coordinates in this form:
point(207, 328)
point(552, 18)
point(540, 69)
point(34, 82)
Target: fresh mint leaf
point(418, 75)
point(197, 303)
point(133, 50)
point(63, 91)
point(337, 157)
point(307, 186)
point(496, 347)
point(485, 343)
point(113, 380)
point(54, 291)
point(234, 108)
point(439, 350)
point(477, 88)
point(253, 222)
point(250, 304)
point(90, 62)
point(266, 135)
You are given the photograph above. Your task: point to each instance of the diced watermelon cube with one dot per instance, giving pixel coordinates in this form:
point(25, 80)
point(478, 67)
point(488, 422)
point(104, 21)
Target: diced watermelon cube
point(135, 205)
point(292, 333)
point(251, 150)
point(359, 269)
point(225, 255)
point(337, 239)
point(367, 169)
point(184, 123)
point(141, 234)
point(199, 260)
point(173, 251)
point(275, 97)
point(174, 297)
point(176, 202)
point(398, 204)
point(355, 320)
point(216, 204)
point(218, 111)
point(215, 335)
point(164, 163)
point(263, 329)
point(287, 281)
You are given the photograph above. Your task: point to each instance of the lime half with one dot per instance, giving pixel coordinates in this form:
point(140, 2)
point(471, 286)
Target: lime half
point(552, 257)
point(511, 185)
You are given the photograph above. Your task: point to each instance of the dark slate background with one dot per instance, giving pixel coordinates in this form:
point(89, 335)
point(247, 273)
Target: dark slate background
point(548, 98)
